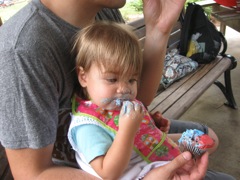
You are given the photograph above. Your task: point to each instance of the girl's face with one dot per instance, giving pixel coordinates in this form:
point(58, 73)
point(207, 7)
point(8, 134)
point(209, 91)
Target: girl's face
point(108, 89)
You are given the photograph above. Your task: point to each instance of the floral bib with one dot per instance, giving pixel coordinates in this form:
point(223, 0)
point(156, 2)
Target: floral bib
point(150, 143)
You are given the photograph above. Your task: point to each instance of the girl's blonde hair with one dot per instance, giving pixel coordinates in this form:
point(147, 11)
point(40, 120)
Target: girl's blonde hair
point(110, 45)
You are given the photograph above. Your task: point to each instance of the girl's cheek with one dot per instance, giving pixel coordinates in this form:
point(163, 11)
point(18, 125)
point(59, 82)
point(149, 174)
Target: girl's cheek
point(106, 101)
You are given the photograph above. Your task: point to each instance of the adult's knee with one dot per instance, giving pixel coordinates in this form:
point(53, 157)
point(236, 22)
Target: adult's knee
point(213, 135)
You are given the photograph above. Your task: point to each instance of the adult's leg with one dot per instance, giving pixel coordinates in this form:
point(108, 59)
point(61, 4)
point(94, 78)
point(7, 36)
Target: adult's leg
point(212, 175)
point(178, 126)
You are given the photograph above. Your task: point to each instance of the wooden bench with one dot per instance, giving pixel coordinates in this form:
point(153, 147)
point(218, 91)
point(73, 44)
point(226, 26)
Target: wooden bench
point(177, 98)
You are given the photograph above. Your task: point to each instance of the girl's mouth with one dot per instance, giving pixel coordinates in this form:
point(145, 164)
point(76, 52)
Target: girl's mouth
point(119, 102)
point(114, 103)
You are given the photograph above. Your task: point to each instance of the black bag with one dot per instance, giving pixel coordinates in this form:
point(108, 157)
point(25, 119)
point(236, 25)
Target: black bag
point(200, 40)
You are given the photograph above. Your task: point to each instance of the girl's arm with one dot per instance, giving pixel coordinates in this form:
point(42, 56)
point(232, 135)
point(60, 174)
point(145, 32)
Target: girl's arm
point(113, 164)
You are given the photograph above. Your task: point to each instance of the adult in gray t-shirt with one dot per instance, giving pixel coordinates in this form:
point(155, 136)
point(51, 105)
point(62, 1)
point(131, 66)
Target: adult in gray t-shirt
point(37, 75)
point(36, 85)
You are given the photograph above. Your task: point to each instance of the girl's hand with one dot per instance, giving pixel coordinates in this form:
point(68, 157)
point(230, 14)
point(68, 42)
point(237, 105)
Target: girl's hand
point(162, 123)
point(130, 117)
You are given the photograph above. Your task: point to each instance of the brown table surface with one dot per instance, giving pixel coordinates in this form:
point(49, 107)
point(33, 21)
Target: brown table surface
point(227, 17)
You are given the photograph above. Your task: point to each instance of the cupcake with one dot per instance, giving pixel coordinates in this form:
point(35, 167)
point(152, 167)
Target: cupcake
point(195, 141)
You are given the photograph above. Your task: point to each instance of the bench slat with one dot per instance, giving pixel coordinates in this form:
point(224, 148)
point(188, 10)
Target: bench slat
point(140, 31)
point(137, 24)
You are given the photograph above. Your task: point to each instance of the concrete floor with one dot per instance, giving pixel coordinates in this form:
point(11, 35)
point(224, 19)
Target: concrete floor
point(210, 110)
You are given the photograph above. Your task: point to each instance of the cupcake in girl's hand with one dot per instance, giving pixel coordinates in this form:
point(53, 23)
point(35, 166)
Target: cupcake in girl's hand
point(195, 141)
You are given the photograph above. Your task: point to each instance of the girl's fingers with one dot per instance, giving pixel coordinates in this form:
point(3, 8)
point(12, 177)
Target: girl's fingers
point(137, 106)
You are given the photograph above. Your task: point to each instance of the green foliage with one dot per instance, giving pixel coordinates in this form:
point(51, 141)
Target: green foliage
point(207, 10)
point(192, 1)
point(137, 5)
point(133, 7)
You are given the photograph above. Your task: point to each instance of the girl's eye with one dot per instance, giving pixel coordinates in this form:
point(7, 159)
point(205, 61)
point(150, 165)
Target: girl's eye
point(132, 81)
point(112, 80)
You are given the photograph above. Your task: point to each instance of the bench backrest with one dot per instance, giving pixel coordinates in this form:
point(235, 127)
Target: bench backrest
point(140, 30)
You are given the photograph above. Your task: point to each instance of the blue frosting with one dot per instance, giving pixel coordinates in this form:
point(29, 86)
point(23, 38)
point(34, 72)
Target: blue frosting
point(190, 134)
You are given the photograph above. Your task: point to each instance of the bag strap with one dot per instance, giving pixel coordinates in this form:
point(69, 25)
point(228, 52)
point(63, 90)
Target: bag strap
point(185, 31)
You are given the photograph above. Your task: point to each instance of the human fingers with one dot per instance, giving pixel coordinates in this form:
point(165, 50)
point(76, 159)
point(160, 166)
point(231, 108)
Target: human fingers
point(137, 106)
point(131, 116)
point(178, 162)
point(156, 12)
point(138, 113)
point(165, 125)
point(162, 123)
point(195, 170)
point(126, 120)
point(202, 164)
point(169, 171)
point(127, 107)
point(157, 118)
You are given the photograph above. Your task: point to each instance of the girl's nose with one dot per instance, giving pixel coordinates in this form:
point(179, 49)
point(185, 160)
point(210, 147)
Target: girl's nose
point(123, 88)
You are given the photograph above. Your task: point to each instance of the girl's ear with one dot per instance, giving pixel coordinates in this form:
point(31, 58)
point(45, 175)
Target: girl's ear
point(82, 76)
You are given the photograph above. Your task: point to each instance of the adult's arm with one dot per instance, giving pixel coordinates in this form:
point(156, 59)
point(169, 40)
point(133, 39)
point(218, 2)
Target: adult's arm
point(160, 16)
point(37, 164)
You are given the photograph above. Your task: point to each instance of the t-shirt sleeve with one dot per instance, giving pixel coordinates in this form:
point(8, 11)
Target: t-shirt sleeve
point(37, 82)
point(29, 102)
point(91, 140)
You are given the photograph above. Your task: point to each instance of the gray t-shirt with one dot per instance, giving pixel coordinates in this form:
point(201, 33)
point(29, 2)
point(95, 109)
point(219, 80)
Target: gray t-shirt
point(37, 76)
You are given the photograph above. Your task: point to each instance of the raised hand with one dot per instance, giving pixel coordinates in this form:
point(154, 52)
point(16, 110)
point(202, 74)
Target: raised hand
point(162, 14)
